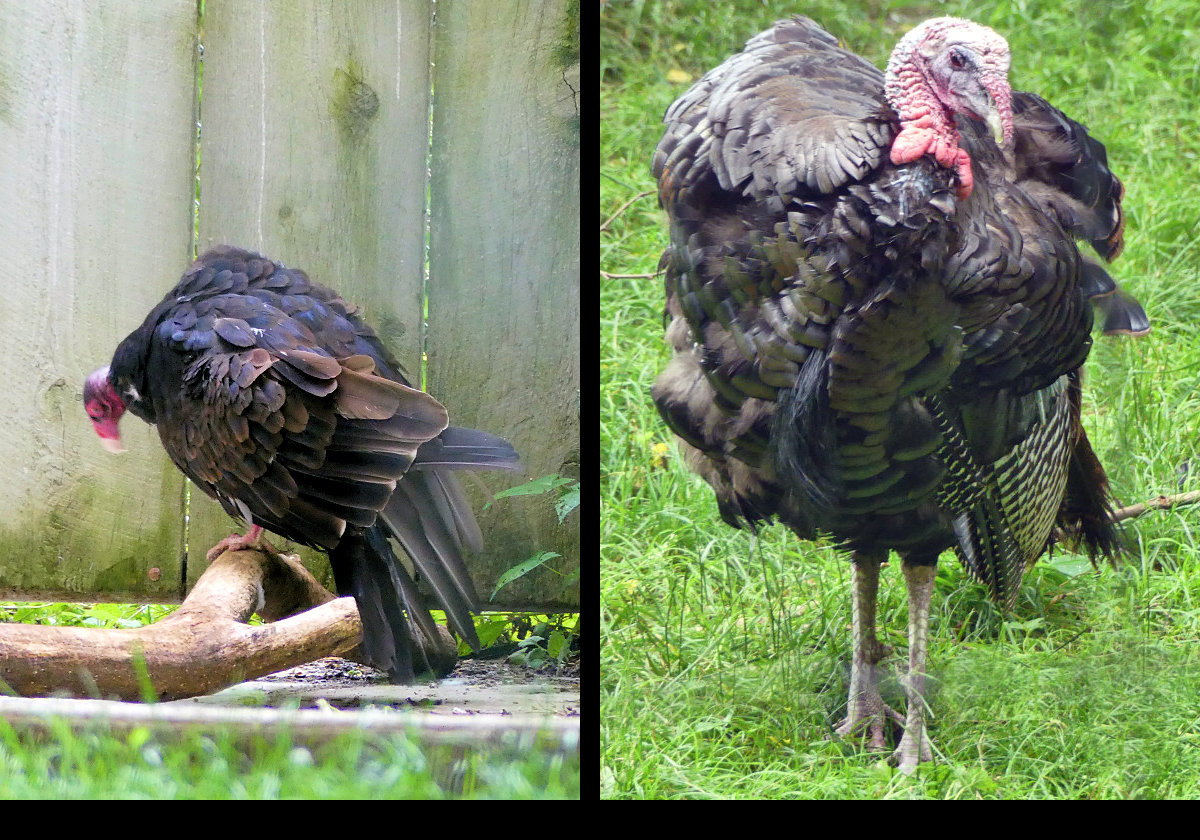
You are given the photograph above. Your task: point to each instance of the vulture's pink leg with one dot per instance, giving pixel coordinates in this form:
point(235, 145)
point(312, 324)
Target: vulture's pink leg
point(239, 542)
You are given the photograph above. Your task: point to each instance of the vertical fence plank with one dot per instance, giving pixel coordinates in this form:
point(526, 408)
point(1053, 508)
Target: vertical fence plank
point(313, 151)
point(96, 146)
point(504, 260)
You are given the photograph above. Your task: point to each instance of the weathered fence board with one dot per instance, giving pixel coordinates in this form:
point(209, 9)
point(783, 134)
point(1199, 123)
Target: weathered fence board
point(504, 259)
point(96, 147)
point(314, 150)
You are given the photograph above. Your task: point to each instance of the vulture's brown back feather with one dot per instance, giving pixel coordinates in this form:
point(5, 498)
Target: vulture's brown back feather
point(273, 396)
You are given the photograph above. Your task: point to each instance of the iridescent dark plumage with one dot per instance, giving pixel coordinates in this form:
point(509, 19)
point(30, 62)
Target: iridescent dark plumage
point(878, 352)
point(273, 397)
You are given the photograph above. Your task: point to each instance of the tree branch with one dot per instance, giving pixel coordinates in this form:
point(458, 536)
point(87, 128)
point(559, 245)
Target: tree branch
point(1160, 503)
point(608, 276)
point(203, 646)
point(623, 208)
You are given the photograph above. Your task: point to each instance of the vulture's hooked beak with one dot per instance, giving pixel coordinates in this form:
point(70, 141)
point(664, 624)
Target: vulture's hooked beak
point(112, 444)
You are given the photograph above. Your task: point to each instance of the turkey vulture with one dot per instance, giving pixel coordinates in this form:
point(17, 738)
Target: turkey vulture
point(273, 396)
point(879, 314)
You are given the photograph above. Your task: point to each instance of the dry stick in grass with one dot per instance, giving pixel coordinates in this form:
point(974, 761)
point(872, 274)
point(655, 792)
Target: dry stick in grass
point(623, 208)
point(608, 276)
point(609, 221)
point(203, 646)
point(1160, 503)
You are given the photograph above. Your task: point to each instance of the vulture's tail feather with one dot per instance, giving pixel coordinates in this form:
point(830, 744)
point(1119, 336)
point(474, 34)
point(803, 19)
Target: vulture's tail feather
point(429, 516)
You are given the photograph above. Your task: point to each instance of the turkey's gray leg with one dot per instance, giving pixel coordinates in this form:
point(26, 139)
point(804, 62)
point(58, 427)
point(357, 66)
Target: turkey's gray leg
point(865, 708)
point(914, 746)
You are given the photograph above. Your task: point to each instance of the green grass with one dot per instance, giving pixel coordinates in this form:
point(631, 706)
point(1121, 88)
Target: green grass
point(74, 764)
point(725, 655)
point(91, 762)
point(107, 616)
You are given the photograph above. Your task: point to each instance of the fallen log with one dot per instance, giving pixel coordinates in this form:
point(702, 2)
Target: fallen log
point(204, 646)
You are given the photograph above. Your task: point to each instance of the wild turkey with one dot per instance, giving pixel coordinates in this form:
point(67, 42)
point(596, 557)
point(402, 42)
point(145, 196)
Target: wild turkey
point(879, 314)
point(272, 395)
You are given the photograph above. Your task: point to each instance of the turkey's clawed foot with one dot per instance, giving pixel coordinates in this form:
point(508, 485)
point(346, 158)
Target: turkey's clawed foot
point(865, 709)
point(868, 722)
point(240, 542)
point(907, 755)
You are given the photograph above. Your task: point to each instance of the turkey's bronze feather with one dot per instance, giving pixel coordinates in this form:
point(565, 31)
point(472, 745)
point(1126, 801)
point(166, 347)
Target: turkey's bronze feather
point(887, 354)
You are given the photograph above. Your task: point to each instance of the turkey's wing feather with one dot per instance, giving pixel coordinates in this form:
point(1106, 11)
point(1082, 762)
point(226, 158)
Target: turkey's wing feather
point(792, 113)
point(1057, 154)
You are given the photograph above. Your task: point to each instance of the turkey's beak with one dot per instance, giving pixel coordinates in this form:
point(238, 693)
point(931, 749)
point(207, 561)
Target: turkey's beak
point(996, 125)
point(991, 104)
point(997, 112)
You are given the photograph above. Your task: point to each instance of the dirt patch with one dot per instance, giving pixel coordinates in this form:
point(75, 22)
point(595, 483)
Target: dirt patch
point(476, 686)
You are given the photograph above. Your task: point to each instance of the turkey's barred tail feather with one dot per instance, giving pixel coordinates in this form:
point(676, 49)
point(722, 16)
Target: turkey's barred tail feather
point(988, 551)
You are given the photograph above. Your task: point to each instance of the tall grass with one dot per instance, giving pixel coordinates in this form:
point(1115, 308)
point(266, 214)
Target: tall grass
point(725, 654)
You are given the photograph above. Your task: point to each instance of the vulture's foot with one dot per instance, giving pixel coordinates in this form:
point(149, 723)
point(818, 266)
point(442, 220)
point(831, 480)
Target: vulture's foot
point(240, 542)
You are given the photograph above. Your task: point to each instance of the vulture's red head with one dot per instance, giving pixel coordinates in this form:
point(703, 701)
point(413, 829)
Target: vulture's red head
point(947, 66)
point(105, 407)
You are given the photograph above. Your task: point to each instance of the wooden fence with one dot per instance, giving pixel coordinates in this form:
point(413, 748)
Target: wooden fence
point(316, 123)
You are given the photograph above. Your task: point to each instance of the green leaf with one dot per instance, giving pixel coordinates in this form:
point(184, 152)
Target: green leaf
point(522, 569)
point(490, 630)
point(1069, 564)
point(539, 485)
point(567, 502)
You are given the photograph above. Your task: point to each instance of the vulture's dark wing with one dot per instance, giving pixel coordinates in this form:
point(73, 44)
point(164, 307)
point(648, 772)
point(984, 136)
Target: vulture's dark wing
point(255, 406)
point(274, 398)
